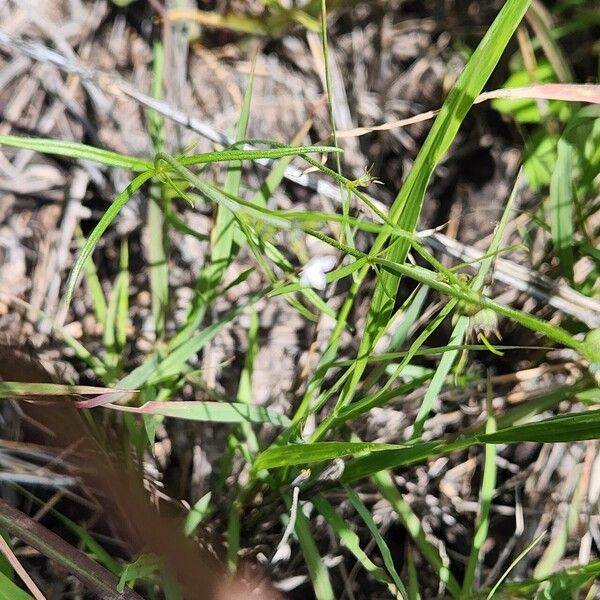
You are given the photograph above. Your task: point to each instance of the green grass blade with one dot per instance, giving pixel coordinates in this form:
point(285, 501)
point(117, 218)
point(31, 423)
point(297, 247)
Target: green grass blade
point(349, 539)
point(244, 394)
point(386, 486)
point(562, 202)
point(222, 246)
point(316, 568)
point(197, 514)
point(513, 564)
point(413, 578)
point(115, 325)
point(488, 486)
point(208, 412)
point(236, 155)
point(10, 591)
point(105, 221)
point(562, 428)
point(158, 207)
point(99, 304)
point(122, 317)
point(303, 454)
point(78, 151)
point(367, 518)
point(571, 427)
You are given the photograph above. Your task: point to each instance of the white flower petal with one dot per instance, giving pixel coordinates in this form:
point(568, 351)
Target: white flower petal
point(314, 271)
point(314, 279)
point(325, 263)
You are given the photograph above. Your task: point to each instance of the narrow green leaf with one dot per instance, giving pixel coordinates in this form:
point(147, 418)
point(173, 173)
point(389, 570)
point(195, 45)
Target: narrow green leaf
point(367, 518)
point(486, 493)
point(158, 208)
point(413, 578)
point(513, 564)
point(11, 591)
point(300, 454)
point(94, 286)
point(75, 150)
point(228, 155)
point(115, 325)
point(208, 412)
point(349, 539)
point(316, 567)
point(561, 207)
point(105, 221)
point(244, 394)
point(562, 428)
point(570, 427)
point(197, 514)
point(388, 489)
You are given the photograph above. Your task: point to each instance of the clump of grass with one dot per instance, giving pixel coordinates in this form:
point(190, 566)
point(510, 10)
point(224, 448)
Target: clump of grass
point(287, 471)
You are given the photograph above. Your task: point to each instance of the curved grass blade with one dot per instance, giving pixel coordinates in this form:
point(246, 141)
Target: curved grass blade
point(411, 522)
point(102, 226)
point(514, 563)
point(367, 518)
point(349, 539)
point(561, 428)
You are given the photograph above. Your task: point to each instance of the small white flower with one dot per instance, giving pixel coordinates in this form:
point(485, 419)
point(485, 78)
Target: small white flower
point(313, 273)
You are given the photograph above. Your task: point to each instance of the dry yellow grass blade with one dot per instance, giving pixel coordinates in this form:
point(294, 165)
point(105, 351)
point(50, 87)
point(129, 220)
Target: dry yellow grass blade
point(569, 92)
